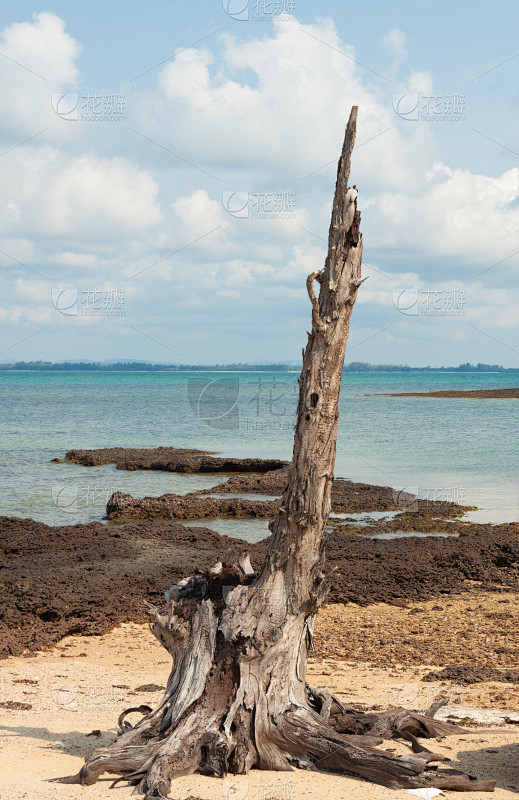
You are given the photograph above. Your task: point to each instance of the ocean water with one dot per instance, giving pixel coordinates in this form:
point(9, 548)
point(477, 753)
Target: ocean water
point(466, 450)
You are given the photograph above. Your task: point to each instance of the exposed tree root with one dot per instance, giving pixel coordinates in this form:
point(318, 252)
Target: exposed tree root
point(217, 716)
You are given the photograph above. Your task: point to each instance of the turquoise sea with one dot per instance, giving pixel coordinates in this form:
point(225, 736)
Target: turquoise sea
point(460, 449)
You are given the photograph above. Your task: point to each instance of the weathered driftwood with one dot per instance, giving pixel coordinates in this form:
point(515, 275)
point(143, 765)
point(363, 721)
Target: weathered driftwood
point(237, 696)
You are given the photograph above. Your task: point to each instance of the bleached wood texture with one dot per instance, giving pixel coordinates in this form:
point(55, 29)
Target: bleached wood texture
point(237, 696)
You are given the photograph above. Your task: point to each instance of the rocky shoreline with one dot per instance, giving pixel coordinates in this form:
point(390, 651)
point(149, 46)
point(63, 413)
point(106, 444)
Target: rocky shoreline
point(254, 476)
point(170, 459)
point(123, 507)
point(62, 580)
point(87, 578)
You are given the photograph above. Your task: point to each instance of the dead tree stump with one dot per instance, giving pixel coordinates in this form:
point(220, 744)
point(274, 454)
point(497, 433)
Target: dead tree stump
point(237, 696)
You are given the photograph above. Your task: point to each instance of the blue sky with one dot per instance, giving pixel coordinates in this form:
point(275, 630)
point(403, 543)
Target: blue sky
point(168, 170)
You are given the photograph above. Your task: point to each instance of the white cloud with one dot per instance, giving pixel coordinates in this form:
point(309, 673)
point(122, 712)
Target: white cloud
point(86, 197)
point(291, 117)
point(94, 196)
point(494, 308)
point(39, 59)
point(395, 41)
point(21, 249)
point(81, 260)
point(12, 314)
point(304, 260)
point(468, 219)
point(25, 315)
point(421, 82)
point(199, 214)
point(32, 290)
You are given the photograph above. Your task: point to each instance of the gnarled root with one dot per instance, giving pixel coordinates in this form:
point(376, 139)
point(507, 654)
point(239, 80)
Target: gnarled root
point(236, 698)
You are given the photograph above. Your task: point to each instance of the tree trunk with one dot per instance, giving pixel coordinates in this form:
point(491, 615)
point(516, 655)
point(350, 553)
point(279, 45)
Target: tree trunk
point(237, 696)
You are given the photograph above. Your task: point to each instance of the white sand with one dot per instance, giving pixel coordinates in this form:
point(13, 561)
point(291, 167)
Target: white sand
point(77, 694)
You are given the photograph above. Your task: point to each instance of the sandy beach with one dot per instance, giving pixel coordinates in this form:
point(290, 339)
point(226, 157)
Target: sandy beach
point(60, 705)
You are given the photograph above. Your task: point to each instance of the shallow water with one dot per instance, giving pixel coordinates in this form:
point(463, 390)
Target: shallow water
point(244, 496)
point(252, 530)
point(464, 450)
point(411, 535)
point(363, 518)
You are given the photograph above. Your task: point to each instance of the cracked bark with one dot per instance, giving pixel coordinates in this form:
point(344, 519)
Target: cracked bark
point(237, 696)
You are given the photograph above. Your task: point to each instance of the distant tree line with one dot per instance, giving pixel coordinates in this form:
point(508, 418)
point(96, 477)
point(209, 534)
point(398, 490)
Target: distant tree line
point(143, 366)
point(361, 366)
point(138, 366)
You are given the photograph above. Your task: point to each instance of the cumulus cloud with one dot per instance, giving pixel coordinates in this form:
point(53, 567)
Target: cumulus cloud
point(198, 213)
point(291, 116)
point(395, 41)
point(262, 115)
point(50, 194)
point(81, 260)
point(39, 60)
point(463, 217)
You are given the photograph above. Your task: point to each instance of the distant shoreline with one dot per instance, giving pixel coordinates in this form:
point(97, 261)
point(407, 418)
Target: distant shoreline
point(481, 394)
point(356, 368)
point(150, 371)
